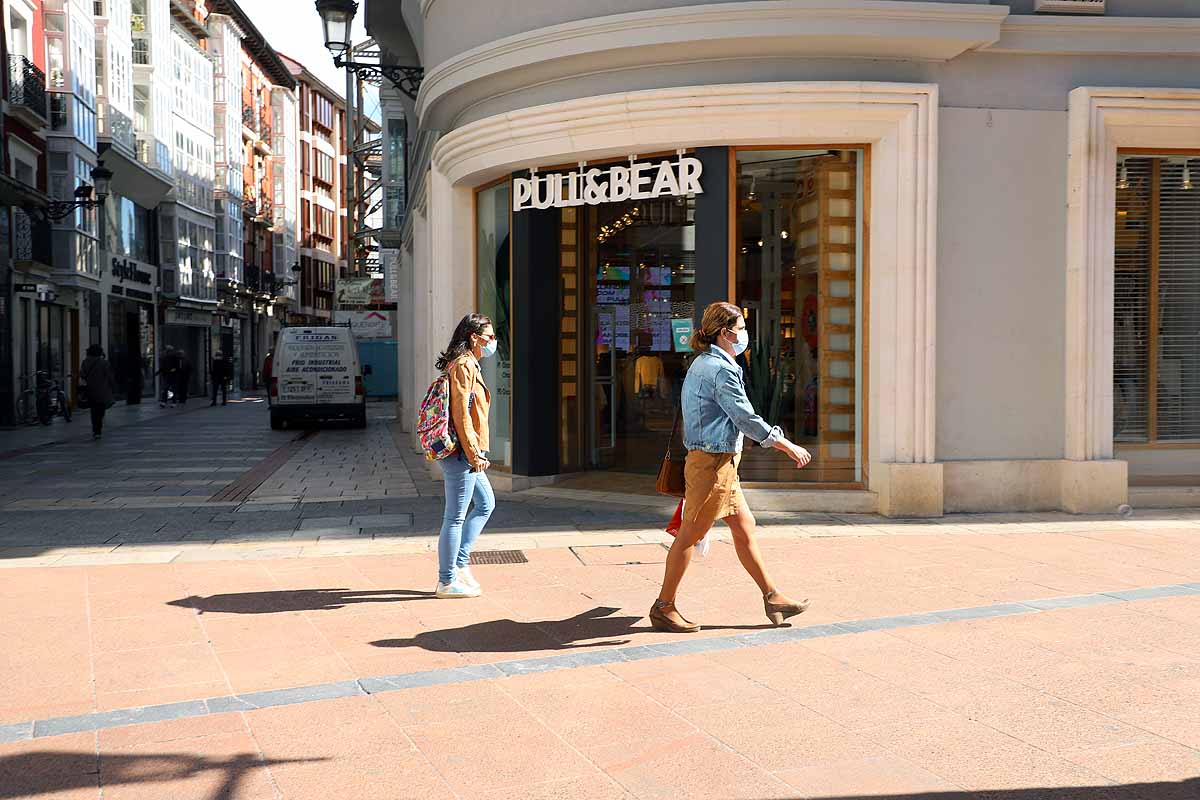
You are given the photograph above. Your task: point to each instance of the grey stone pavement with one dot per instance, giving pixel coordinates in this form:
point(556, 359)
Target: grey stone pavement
point(210, 484)
point(192, 484)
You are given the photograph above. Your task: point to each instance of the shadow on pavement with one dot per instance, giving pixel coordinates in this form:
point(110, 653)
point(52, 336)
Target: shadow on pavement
point(510, 636)
point(277, 602)
point(44, 772)
point(1188, 789)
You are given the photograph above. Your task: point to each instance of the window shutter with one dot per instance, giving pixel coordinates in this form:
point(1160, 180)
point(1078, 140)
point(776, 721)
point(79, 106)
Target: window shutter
point(1156, 364)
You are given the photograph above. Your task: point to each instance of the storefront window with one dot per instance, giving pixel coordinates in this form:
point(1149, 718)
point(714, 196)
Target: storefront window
point(495, 298)
point(1156, 294)
point(799, 271)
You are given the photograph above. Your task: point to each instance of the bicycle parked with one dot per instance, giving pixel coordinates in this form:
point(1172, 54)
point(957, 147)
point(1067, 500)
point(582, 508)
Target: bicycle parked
point(44, 402)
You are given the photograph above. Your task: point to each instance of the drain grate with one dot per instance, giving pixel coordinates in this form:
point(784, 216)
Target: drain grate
point(499, 557)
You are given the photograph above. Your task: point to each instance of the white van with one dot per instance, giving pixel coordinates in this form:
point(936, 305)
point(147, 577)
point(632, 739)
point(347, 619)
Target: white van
point(315, 375)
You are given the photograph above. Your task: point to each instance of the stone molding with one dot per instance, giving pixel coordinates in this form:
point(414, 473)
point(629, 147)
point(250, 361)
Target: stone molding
point(751, 29)
point(1051, 35)
point(899, 121)
point(1101, 120)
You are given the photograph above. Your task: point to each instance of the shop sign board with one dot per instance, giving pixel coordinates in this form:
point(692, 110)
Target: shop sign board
point(615, 184)
point(126, 269)
point(25, 288)
point(185, 316)
point(367, 324)
point(360, 291)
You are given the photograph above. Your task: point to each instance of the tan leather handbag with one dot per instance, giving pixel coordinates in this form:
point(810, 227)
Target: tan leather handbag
point(670, 474)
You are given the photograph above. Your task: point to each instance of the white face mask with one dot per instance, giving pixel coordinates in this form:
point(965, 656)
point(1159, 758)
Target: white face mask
point(741, 342)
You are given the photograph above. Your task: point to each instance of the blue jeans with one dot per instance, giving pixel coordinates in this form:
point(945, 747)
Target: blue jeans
point(460, 529)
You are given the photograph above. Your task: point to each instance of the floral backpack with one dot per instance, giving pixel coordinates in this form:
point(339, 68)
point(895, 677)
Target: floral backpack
point(434, 430)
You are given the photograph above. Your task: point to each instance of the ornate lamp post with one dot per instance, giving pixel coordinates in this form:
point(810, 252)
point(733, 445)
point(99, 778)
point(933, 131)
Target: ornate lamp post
point(101, 184)
point(337, 17)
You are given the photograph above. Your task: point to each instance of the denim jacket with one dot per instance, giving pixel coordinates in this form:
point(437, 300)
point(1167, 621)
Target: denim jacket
point(716, 410)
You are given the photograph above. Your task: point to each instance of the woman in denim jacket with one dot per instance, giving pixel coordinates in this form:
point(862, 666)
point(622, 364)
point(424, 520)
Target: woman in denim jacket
point(716, 416)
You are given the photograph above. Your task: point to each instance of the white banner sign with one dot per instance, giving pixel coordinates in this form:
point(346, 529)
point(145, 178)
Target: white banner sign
point(639, 181)
point(367, 324)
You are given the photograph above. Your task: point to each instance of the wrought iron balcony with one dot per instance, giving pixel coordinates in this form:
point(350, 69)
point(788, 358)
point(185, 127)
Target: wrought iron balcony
point(250, 118)
point(27, 85)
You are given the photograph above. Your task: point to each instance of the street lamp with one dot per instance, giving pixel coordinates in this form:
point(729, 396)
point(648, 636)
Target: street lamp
point(101, 184)
point(337, 18)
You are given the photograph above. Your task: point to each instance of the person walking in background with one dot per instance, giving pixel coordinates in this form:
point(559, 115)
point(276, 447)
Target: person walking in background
point(183, 378)
point(168, 371)
point(221, 372)
point(99, 384)
point(465, 472)
point(716, 415)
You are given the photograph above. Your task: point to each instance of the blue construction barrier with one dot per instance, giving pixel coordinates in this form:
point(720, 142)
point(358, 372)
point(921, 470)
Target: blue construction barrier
point(384, 380)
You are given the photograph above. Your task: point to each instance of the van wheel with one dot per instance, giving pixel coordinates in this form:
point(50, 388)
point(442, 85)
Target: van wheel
point(359, 421)
point(276, 422)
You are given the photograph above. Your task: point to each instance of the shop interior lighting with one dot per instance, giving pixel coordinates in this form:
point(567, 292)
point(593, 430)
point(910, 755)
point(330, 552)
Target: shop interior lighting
point(783, 234)
point(1123, 181)
point(1186, 185)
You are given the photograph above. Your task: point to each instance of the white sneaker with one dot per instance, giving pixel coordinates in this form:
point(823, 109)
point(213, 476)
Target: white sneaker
point(455, 591)
point(464, 576)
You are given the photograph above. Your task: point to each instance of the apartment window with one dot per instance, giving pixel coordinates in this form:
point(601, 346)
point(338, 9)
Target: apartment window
point(323, 167)
point(322, 112)
point(324, 222)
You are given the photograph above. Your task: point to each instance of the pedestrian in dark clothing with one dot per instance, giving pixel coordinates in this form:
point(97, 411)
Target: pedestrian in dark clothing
point(97, 379)
point(183, 378)
point(168, 371)
point(221, 372)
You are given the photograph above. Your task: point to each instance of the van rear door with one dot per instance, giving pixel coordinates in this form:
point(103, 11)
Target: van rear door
point(335, 370)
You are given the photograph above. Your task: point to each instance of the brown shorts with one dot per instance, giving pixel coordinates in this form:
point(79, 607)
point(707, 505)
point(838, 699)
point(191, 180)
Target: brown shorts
point(712, 489)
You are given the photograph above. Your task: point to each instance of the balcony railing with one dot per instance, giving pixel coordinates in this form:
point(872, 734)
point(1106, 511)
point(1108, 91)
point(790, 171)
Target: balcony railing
point(250, 118)
point(141, 52)
point(26, 85)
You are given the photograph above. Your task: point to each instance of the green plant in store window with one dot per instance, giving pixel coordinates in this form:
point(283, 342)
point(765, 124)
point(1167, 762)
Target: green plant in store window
point(765, 381)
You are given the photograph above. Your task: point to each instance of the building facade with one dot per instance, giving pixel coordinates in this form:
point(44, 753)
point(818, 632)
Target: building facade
point(964, 236)
point(257, 203)
point(322, 230)
point(25, 260)
point(196, 246)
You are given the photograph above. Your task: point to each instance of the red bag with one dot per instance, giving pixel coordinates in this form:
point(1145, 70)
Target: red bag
point(702, 546)
point(676, 520)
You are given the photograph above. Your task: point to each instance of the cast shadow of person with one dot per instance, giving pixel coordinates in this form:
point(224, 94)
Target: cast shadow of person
point(1187, 789)
point(49, 772)
point(510, 636)
point(281, 601)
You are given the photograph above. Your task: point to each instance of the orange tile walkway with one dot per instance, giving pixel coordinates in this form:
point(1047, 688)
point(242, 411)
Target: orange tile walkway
point(1089, 702)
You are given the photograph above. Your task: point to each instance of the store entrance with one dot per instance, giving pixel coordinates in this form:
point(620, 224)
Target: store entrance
point(633, 300)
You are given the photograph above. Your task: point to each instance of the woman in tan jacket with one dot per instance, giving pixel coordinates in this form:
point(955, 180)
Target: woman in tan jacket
point(465, 472)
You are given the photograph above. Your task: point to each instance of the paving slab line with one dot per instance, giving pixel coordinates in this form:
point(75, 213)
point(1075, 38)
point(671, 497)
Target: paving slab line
point(241, 488)
point(102, 720)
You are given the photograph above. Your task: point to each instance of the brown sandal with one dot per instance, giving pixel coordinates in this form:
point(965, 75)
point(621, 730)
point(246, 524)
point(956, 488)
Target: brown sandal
point(778, 612)
point(660, 621)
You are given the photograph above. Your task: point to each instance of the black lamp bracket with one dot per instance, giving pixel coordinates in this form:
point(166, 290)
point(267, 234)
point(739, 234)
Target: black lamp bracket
point(406, 79)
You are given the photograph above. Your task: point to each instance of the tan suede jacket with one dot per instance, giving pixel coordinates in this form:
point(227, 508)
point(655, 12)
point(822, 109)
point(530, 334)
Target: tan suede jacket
point(470, 418)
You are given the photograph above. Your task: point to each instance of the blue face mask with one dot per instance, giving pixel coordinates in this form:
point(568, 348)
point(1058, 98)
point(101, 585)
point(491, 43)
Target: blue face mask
point(741, 343)
point(489, 349)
